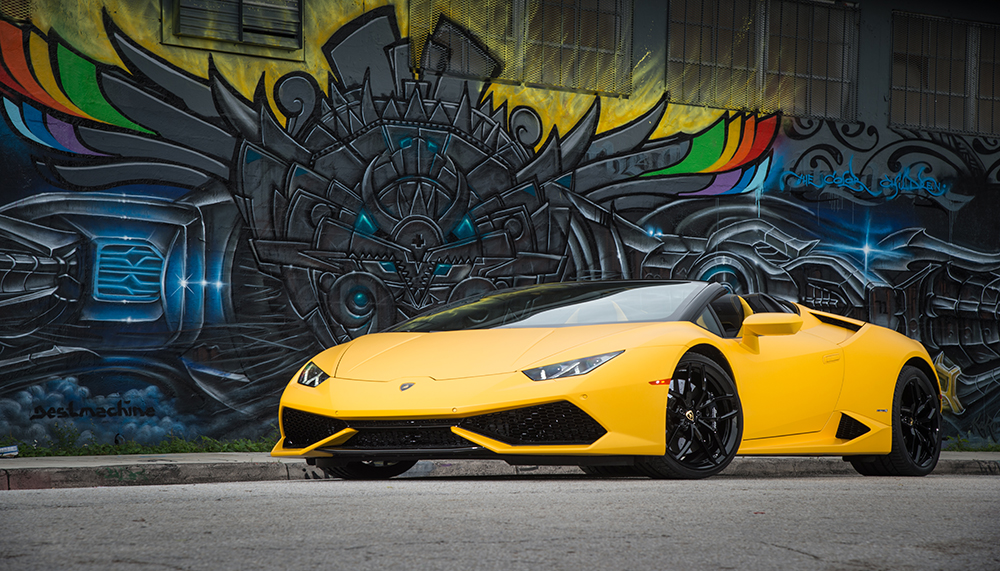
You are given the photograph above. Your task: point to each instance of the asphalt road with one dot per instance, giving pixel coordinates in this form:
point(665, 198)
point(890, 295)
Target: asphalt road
point(553, 522)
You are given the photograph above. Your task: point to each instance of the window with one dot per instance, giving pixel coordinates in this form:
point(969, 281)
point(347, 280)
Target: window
point(255, 27)
point(944, 74)
point(794, 55)
point(564, 44)
point(263, 22)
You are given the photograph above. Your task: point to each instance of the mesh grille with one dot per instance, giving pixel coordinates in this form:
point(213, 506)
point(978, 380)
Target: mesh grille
point(554, 423)
point(406, 438)
point(18, 10)
point(850, 428)
point(302, 429)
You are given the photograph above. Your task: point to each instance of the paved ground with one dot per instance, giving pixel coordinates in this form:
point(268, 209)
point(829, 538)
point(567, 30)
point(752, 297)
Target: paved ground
point(92, 471)
point(511, 523)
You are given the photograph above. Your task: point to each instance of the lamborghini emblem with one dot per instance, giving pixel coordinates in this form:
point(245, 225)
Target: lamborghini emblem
point(405, 386)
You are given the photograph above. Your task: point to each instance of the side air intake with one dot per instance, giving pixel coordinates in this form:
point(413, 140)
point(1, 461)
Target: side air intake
point(850, 428)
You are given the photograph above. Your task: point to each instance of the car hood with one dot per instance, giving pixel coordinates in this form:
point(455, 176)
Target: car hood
point(461, 354)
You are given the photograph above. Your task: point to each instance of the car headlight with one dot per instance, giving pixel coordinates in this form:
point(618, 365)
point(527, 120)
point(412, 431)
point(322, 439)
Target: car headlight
point(570, 368)
point(312, 375)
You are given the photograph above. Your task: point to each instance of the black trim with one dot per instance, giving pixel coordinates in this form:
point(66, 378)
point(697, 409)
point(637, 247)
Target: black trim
point(341, 457)
point(831, 320)
point(701, 300)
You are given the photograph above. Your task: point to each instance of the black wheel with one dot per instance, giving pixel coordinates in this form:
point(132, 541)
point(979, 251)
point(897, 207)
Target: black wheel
point(916, 430)
point(704, 425)
point(611, 471)
point(368, 470)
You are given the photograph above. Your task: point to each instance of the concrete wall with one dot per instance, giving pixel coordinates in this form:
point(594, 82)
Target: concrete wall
point(181, 227)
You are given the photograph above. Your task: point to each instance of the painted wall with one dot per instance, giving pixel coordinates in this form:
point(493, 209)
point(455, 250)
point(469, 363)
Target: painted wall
point(181, 229)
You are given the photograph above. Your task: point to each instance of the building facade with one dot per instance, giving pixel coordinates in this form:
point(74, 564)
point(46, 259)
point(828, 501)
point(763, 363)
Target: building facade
point(199, 196)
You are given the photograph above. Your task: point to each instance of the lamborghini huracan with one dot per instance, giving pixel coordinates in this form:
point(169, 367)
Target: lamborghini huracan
point(666, 379)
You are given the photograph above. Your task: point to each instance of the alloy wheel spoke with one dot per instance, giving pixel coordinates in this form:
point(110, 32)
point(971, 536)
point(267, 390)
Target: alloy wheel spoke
point(715, 400)
point(704, 395)
point(917, 450)
point(727, 415)
point(716, 442)
point(687, 445)
point(672, 437)
point(699, 438)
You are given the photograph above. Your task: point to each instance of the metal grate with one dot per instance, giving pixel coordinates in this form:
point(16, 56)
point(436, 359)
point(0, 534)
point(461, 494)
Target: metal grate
point(562, 44)
point(302, 429)
point(16, 10)
point(944, 74)
point(553, 423)
point(273, 23)
point(797, 56)
point(580, 45)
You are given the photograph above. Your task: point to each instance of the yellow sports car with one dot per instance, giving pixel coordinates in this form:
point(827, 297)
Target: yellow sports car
point(664, 379)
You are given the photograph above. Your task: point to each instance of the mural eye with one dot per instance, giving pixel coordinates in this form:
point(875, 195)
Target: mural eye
point(728, 276)
point(359, 300)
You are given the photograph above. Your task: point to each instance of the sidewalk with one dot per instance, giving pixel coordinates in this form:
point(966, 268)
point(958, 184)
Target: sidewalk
point(91, 471)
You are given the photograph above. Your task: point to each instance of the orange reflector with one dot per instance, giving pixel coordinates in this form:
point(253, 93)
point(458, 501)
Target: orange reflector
point(660, 382)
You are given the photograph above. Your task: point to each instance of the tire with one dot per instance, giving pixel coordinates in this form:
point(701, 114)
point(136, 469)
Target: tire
point(916, 430)
point(611, 471)
point(704, 424)
point(368, 470)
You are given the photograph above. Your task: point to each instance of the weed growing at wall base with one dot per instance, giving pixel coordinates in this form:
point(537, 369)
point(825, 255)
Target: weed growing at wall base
point(959, 444)
point(65, 438)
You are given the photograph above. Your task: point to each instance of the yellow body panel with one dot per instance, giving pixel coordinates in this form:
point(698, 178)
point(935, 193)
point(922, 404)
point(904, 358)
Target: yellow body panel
point(796, 377)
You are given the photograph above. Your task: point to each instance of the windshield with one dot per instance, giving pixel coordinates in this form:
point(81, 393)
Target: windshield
point(560, 305)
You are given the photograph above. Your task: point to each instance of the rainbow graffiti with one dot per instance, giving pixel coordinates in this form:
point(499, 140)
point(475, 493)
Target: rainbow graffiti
point(36, 73)
point(736, 148)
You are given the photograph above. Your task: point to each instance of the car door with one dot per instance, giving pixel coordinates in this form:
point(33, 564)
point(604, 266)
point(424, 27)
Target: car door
point(788, 384)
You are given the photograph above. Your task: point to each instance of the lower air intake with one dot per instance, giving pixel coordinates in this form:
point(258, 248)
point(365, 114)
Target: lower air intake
point(302, 429)
point(850, 428)
point(552, 424)
point(421, 438)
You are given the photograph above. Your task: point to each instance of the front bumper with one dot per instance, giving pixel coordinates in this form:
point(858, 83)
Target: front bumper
point(557, 424)
point(609, 412)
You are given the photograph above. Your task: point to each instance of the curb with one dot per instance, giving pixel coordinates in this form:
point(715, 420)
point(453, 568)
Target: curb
point(150, 474)
point(140, 475)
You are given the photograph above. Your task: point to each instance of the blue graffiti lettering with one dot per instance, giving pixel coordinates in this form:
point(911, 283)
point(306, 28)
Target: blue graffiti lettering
point(847, 179)
point(913, 181)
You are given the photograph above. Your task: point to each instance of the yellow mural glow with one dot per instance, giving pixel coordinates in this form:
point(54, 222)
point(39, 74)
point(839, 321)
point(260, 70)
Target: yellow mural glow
point(80, 24)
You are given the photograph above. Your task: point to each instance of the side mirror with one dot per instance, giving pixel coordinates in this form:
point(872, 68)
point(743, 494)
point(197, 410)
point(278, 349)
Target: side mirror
point(768, 324)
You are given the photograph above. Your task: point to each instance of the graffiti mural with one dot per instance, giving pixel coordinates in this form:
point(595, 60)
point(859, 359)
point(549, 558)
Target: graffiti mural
point(175, 250)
